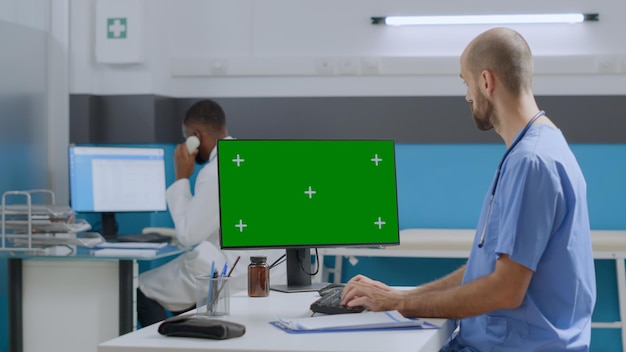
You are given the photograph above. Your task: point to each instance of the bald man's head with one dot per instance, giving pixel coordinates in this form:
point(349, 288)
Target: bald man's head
point(506, 54)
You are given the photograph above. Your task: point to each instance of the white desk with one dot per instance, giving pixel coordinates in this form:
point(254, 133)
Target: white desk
point(256, 313)
point(70, 301)
point(457, 243)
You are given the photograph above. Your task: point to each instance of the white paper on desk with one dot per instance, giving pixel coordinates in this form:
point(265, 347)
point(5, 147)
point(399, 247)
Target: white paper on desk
point(133, 245)
point(365, 320)
point(125, 252)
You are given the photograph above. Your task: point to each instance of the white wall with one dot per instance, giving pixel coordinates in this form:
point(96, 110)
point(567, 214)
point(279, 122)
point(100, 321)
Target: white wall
point(27, 13)
point(275, 48)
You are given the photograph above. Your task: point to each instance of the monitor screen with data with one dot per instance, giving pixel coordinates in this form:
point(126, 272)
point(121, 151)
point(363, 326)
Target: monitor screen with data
point(307, 193)
point(111, 179)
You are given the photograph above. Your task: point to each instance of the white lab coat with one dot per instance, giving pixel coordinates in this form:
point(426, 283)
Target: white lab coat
point(196, 218)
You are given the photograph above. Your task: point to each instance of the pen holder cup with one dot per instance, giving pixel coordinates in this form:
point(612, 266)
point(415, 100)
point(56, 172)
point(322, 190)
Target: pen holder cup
point(212, 295)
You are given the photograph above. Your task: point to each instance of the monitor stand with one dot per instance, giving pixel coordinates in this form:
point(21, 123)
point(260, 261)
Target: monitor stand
point(299, 280)
point(108, 226)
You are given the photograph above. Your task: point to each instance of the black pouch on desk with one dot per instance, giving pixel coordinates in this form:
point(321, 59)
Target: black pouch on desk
point(203, 327)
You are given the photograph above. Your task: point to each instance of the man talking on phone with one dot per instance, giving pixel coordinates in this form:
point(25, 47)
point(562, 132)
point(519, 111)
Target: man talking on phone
point(172, 286)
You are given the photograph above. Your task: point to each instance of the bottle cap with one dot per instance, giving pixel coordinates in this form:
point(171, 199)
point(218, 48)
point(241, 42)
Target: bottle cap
point(258, 259)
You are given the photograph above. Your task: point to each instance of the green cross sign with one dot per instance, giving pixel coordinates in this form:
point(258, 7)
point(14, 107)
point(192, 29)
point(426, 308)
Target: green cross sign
point(116, 28)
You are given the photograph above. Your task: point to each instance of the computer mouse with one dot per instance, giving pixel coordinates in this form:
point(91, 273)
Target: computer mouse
point(192, 143)
point(328, 288)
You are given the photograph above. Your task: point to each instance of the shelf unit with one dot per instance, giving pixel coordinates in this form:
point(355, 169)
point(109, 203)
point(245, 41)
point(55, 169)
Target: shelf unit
point(30, 226)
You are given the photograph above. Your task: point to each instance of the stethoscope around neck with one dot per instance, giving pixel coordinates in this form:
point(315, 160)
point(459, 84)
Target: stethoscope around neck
point(495, 182)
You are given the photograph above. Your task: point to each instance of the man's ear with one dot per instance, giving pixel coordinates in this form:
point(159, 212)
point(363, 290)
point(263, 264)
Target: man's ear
point(487, 82)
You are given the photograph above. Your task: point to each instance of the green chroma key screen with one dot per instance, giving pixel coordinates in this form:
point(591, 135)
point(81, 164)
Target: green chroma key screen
point(307, 193)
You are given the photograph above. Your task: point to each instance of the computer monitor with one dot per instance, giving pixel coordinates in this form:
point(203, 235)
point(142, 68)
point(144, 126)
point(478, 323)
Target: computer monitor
point(303, 194)
point(109, 179)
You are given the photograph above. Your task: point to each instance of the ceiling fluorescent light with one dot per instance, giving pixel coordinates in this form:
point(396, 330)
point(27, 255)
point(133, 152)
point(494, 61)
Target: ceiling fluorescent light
point(485, 19)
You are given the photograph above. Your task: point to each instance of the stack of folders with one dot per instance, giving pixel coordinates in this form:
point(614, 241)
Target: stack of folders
point(130, 249)
point(351, 322)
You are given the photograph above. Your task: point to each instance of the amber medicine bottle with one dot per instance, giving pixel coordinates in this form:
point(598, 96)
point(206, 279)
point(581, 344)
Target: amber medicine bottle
point(258, 277)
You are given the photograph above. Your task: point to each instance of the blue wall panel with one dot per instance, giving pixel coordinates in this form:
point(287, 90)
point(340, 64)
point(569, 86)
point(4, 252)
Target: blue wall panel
point(442, 186)
point(604, 167)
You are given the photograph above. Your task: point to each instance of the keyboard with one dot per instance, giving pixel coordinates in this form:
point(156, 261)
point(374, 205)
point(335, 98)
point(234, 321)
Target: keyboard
point(153, 237)
point(330, 302)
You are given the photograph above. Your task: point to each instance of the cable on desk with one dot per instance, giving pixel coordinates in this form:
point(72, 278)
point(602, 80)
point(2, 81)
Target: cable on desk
point(317, 265)
point(278, 261)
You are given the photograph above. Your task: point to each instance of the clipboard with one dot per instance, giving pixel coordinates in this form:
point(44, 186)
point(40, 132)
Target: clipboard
point(366, 321)
point(290, 331)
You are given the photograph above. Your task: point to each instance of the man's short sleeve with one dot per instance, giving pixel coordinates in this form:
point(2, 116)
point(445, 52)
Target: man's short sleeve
point(530, 200)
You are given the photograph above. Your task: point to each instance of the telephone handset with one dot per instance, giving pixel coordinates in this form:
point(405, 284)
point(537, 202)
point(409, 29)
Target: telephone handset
point(192, 143)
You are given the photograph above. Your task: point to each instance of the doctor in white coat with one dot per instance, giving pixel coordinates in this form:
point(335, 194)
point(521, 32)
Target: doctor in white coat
point(172, 286)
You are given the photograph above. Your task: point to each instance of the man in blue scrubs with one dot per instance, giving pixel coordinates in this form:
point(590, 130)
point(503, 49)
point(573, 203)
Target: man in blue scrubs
point(529, 283)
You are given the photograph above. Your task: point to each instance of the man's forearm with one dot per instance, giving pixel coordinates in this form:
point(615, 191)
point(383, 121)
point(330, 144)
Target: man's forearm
point(504, 288)
point(451, 280)
point(458, 302)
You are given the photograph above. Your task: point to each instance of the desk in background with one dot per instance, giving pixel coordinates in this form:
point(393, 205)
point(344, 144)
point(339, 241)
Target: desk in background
point(70, 301)
point(256, 313)
point(457, 243)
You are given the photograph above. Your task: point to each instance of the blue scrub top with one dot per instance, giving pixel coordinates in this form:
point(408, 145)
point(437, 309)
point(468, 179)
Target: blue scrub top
point(539, 218)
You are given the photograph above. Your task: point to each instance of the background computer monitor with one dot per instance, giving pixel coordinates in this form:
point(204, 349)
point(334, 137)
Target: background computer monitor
point(303, 194)
point(108, 179)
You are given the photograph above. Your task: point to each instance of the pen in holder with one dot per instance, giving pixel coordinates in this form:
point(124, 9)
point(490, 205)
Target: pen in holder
point(212, 295)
